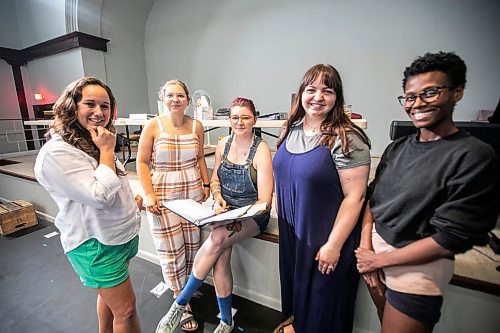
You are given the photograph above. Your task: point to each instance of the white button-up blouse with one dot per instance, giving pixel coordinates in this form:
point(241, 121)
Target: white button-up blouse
point(93, 201)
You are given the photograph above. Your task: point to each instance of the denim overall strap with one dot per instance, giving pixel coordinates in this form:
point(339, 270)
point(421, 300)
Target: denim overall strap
point(253, 149)
point(227, 147)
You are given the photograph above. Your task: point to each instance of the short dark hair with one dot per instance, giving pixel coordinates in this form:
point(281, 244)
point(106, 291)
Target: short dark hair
point(447, 62)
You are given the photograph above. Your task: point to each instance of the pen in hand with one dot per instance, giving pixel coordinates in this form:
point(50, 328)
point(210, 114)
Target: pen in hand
point(218, 207)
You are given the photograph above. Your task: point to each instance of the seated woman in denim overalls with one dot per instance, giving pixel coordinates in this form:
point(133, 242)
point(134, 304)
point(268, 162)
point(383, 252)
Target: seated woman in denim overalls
point(242, 176)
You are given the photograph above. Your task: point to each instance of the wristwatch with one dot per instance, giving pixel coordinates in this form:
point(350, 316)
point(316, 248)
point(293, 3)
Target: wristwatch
point(206, 185)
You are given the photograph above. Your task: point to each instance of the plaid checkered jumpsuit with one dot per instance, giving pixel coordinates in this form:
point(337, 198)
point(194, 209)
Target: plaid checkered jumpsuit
point(175, 175)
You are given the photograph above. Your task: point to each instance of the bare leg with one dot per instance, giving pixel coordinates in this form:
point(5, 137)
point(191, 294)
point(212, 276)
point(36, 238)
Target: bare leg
point(121, 302)
point(285, 327)
point(207, 256)
point(396, 321)
point(223, 277)
point(379, 301)
point(216, 244)
point(104, 316)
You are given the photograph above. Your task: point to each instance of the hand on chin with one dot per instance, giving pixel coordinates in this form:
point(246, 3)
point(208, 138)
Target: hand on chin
point(93, 128)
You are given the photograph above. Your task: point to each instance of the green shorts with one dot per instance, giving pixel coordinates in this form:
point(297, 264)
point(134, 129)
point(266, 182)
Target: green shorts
point(102, 266)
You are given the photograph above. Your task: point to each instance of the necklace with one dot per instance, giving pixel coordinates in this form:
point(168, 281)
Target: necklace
point(247, 150)
point(177, 127)
point(312, 128)
point(171, 121)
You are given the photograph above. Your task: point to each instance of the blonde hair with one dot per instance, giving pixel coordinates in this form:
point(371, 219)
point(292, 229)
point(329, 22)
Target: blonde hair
point(163, 89)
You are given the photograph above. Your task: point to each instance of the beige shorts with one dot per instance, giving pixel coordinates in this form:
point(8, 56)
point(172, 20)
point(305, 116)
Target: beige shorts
point(430, 279)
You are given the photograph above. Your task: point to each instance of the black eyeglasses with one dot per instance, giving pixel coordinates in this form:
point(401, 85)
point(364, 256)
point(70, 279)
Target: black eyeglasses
point(427, 95)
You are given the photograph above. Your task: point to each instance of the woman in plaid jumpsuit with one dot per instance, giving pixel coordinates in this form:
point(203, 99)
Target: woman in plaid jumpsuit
point(173, 145)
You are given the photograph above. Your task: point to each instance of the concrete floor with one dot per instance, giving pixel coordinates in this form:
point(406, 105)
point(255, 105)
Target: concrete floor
point(39, 292)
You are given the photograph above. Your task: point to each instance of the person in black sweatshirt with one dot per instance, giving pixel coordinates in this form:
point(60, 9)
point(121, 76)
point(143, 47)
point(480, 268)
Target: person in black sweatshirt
point(435, 193)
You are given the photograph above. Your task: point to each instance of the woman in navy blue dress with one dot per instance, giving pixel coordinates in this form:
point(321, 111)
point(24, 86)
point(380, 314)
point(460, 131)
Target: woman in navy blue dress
point(321, 170)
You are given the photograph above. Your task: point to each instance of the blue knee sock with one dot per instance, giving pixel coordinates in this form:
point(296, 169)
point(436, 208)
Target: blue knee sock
point(225, 308)
point(191, 286)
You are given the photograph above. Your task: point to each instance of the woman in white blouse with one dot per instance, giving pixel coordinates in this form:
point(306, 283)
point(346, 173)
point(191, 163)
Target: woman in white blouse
point(98, 217)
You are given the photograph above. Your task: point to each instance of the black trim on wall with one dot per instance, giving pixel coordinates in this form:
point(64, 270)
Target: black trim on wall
point(13, 57)
point(64, 43)
point(23, 106)
point(53, 46)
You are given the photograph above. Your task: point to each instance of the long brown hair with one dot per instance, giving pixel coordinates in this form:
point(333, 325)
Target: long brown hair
point(66, 124)
point(336, 123)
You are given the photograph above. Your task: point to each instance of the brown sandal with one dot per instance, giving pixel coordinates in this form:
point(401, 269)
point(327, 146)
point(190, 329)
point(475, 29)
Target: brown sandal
point(281, 327)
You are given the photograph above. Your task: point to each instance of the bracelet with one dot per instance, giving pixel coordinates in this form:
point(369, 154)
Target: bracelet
point(206, 185)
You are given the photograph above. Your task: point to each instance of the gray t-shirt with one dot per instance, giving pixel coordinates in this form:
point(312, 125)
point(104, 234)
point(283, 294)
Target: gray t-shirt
point(297, 142)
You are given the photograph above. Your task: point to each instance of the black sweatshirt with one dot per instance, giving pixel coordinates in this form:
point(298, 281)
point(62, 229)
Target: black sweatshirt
point(448, 189)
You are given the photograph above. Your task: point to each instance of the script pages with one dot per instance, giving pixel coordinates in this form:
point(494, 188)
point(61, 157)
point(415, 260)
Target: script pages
point(200, 215)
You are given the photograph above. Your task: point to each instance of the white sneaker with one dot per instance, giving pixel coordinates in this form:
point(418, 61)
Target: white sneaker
point(224, 328)
point(171, 320)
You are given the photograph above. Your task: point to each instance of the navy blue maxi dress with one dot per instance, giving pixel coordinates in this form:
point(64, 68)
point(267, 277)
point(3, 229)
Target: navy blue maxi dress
point(309, 195)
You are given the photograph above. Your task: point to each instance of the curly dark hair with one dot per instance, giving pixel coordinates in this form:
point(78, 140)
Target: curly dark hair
point(447, 62)
point(336, 123)
point(66, 124)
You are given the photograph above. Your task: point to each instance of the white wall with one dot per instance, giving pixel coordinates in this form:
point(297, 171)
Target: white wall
point(39, 20)
point(93, 63)
point(88, 16)
point(9, 34)
point(124, 24)
point(51, 74)
point(9, 107)
point(261, 49)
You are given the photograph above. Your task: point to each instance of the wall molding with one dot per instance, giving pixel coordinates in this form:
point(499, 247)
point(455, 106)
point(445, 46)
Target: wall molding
point(12, 56)
point(52, 46)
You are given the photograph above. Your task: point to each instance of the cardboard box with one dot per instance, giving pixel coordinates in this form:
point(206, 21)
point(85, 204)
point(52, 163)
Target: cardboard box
point(16, 215)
